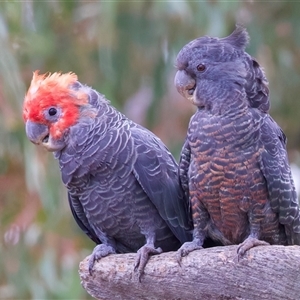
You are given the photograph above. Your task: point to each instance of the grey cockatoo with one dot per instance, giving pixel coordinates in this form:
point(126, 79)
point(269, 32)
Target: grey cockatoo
point(122, 181)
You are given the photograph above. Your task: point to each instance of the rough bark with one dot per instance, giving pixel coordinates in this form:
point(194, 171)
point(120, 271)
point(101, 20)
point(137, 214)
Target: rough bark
point(268, 272)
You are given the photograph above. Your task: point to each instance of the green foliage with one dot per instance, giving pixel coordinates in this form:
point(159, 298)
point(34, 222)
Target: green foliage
point(126, 50)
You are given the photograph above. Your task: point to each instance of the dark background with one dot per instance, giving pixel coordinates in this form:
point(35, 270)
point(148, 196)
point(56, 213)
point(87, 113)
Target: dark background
point(126, 50)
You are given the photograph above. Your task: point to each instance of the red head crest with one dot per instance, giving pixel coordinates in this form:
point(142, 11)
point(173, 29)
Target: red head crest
point(53, 90)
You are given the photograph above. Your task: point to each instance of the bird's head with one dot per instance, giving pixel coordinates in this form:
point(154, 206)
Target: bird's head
point(209, 69)
point(52, 105)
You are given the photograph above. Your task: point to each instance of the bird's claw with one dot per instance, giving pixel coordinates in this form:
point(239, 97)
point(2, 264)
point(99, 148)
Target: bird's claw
point(142, 258)
point(187, 248)
point(247, 244)
point(99, 251)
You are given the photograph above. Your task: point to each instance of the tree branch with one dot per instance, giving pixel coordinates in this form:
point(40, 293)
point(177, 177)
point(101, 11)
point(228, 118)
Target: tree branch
point(268, 272)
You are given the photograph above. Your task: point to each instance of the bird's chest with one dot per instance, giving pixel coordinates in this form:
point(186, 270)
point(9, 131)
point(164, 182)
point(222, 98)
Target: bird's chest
point(220, 143)
point(224, 171)
point(116, 208)
point(107, 202)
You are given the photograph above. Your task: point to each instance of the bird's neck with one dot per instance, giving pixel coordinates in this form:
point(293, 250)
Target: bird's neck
point(228, 103)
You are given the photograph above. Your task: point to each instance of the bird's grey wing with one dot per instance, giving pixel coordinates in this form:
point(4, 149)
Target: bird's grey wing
point(157, 172)
point(256, 85)
point(184, 164)
point(276, 170)
point(81, 219)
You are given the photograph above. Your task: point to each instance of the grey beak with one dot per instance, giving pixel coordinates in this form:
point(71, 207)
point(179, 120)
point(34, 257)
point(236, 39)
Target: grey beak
point(183, 82)
point(36, 132)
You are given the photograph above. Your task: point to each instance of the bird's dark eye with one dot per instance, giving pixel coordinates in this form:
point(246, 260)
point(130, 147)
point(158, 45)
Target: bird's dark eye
point(201, 67)
point(52, 111)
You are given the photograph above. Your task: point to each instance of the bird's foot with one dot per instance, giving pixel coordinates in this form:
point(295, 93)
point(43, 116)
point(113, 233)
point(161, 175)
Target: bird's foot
point(187, 248)
point(99, 251)
point(142, 258)
point(249, 243)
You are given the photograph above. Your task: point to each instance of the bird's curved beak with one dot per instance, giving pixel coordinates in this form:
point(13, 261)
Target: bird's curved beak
point(36, 133)
point(185, 85)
